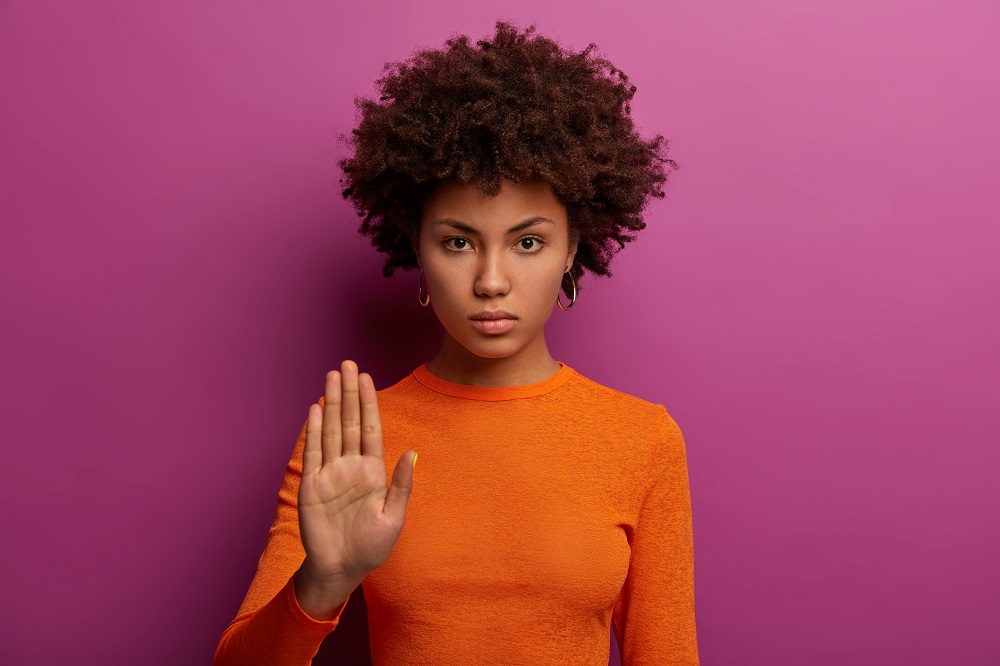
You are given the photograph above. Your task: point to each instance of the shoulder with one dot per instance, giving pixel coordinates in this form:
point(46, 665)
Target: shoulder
point(619, 407)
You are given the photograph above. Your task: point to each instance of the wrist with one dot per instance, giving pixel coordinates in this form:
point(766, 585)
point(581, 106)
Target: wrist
point(320, 598)
point(334, 579)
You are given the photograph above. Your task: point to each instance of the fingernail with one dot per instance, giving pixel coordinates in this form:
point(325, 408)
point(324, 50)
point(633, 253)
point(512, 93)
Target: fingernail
point(414, 460)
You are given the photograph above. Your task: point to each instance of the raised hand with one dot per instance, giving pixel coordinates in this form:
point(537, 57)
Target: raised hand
point(349, 519)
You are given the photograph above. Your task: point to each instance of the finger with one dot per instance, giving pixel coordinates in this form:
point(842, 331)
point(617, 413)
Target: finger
point(350, 409)
point(398, 495)
point(331, 418)
point(312, 454)
point(371, 424)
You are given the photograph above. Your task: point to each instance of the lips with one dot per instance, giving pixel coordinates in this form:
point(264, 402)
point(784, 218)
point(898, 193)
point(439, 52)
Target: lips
point(495, 322)
point(492, 314)
point(494, 326)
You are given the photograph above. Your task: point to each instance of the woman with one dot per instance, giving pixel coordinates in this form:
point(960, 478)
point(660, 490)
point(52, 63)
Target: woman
point(549, 507)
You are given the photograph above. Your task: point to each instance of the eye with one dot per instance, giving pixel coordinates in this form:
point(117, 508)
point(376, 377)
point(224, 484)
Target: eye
point(530, 244)
point(456, 239)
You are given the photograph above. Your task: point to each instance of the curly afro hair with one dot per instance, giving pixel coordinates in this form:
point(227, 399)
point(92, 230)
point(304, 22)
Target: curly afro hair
point(518, 107)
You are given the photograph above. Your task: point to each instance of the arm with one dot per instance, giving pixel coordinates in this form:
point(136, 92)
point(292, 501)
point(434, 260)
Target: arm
point(654, 617)
point(271, 626)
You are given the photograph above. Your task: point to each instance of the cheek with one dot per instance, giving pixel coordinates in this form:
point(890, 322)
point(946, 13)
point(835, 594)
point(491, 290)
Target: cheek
point(442, 280)
point(446, 293)
point(538, 292)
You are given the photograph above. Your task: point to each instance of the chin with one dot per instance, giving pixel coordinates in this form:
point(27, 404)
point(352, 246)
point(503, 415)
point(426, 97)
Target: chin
point(493, 352)
point(491, 348)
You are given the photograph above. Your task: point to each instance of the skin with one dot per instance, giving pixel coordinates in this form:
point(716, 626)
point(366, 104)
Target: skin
point(349, 518)
point(488, 268)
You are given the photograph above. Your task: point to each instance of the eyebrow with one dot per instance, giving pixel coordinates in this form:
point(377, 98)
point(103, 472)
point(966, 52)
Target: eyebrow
point(530, 222)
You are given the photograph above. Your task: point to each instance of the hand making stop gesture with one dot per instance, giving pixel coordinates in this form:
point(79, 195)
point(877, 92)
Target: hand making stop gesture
point(349, 519)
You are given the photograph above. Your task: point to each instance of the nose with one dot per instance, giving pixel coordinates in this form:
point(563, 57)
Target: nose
point(492, 275)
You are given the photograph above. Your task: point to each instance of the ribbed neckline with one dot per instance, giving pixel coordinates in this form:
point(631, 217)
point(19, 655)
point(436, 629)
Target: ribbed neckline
point(470, 392)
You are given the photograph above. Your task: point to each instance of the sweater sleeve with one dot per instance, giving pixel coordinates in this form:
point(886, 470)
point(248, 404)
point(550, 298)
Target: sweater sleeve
point(654, 617)
point(270, 627)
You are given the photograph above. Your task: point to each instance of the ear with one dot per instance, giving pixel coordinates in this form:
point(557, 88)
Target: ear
point(574, 242)
point(415, 244)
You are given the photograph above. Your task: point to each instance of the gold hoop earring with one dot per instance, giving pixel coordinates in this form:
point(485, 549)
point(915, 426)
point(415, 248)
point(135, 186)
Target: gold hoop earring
point(420, 290)
point(559, 300)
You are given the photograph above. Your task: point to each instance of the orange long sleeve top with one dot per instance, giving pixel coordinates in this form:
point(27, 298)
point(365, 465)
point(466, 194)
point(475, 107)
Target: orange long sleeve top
point(540, 515)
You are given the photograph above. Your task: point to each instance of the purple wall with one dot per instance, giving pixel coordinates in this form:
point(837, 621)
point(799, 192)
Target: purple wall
point(815, 302)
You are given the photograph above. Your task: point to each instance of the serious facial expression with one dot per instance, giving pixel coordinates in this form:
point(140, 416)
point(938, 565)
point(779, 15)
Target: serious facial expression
point(483, 254)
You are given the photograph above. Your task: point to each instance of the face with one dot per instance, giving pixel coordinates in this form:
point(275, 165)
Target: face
point(483, 254)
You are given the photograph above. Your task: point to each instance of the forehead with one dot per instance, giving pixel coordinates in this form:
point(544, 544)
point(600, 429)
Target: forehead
point(516, 202)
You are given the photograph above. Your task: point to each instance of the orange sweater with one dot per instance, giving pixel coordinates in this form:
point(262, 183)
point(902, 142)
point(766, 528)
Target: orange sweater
point(540, 515)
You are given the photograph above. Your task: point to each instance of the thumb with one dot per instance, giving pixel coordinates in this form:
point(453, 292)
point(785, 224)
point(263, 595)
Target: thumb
point(402, 483)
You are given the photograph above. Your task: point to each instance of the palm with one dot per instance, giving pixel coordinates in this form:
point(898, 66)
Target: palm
point(349, 518)
point(342, 504)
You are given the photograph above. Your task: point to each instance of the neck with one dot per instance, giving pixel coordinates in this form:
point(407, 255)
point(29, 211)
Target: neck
point(457, 364)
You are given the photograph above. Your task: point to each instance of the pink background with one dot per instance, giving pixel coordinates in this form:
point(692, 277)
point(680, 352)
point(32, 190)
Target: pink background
point(815, 302)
